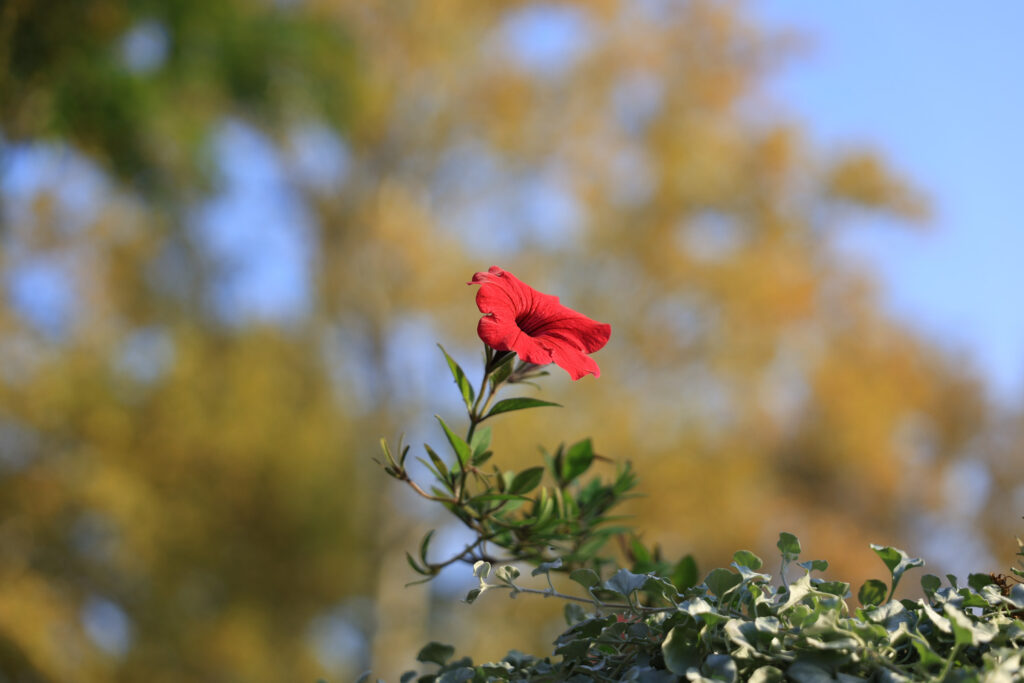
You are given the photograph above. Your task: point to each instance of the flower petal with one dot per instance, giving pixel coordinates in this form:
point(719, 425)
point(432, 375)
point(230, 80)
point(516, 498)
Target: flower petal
point(535, 325)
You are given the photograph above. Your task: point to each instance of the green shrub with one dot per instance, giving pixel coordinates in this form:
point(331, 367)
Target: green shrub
point(658, 621)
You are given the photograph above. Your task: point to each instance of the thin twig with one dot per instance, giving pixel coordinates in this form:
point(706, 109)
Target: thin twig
point(469, 549)
point(594, 602)
point(428, 496)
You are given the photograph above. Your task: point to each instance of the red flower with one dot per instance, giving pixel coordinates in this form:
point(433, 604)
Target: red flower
point(534, 325)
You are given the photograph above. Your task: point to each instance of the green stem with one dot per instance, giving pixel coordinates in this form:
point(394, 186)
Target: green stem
point(469, 549)
point(600, 605)
point(949, 663)
point(474, 413)
point(478, 413)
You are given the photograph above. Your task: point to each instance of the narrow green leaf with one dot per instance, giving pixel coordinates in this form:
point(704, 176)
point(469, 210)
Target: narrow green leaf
point(570, 510)
point(430, 467)
point(415, 567)
point(501, 373)
point(420, 581)
point(482, 458)
point(493, 497)
point(435, 652)
point(424, 544)
point(553, 462)
point(526, 481)
point(472, 595)
point(684, 574)
point(479, 443)
point(442, 470)
point(545, 506)
point(387, 453)
point(519, 403)
point(461, 380)
point(577, 460)
point(641, 556)
point(458, 444)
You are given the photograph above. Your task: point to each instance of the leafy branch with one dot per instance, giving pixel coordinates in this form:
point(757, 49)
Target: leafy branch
point(658, 621)
point(514, 513)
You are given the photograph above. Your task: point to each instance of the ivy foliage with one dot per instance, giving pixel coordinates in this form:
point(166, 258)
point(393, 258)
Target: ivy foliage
point(655, 623)
point(739, 625)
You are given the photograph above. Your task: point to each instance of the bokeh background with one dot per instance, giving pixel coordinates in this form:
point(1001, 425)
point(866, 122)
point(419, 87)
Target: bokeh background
point(233, 231)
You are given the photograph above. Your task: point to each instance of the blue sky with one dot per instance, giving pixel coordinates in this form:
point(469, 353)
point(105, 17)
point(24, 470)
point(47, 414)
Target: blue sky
point(939, 88)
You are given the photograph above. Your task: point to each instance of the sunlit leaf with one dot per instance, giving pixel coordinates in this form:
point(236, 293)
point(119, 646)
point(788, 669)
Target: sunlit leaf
point(745, 558)
point(465, 388)
point(521, 403)
point(458, 444)
point(526, 481)
point(506, 574)
point(479, 443)
point(897, 561)
point(577, 460)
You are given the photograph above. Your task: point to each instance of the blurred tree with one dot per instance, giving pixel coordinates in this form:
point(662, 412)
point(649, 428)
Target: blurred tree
point(260, 222)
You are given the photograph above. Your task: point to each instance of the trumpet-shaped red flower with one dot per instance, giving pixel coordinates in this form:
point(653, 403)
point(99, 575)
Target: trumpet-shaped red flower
point(534, 325)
